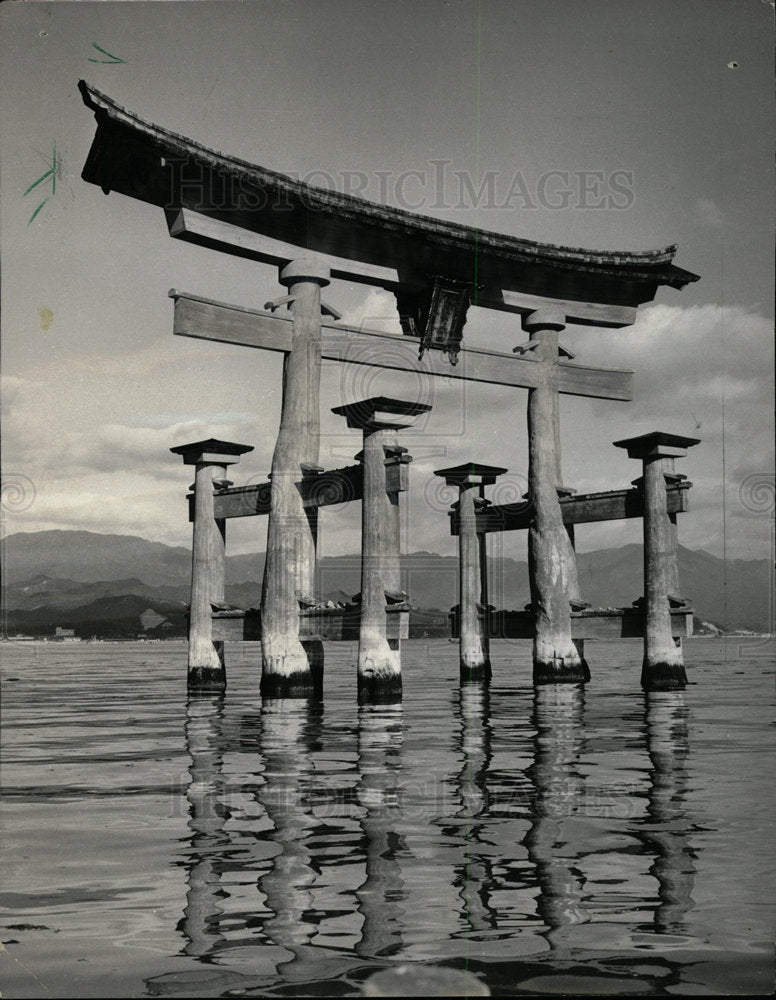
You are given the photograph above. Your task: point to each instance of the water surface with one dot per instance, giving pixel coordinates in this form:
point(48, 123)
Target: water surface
point(570, 840)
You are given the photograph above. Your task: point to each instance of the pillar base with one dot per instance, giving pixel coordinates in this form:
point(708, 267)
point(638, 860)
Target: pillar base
point(210, 673)
point(561, 672)
point(299, 684)
point(663, 676)
point(480, 674)
point(379, 688)
point(206, 679)
point(303, 680)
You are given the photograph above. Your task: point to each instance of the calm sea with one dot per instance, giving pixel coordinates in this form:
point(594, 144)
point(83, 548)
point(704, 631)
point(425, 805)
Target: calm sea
point(564, 841)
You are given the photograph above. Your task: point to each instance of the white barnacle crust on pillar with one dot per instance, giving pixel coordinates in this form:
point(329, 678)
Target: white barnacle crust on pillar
point(663, 665)
point(471, 479)
point(379, 656)
point(292, 667)
point(551, 558)
point(207, 670)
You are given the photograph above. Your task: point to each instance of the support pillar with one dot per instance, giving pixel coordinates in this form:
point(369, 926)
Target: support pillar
point(551, 559)
point(474, 642)
point(379, 657)
point(663, 665)
point(208, 559)
point(292, 667)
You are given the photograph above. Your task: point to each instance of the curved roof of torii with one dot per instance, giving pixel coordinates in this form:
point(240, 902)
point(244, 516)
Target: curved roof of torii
point(134, 157)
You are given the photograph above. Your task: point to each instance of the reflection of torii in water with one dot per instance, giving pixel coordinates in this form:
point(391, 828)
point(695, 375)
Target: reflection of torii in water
point(665, 826)
point(557, 717)
point(290, 729)
point(286, 732)
point(475, 876)
point(204, 741)
point(287, 886)
point(379, 765)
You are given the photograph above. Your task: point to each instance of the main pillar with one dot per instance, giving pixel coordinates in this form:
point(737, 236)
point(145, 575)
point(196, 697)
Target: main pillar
point(551, 559)
point(471, 480)
point(291, 667)
point(663, 665)
point(208, 558)
point(379, 657)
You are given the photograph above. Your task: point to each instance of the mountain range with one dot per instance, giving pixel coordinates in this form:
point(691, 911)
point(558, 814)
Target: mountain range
point(63, 577)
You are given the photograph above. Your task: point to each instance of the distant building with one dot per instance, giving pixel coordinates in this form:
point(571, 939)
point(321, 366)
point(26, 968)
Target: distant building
point(65, 635)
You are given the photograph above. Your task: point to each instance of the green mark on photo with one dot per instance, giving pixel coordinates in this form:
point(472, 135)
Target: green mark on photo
point(110, 61)
point(52, 173)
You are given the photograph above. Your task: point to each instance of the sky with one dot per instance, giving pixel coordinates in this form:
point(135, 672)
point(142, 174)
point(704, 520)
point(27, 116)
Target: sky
point(604, 125)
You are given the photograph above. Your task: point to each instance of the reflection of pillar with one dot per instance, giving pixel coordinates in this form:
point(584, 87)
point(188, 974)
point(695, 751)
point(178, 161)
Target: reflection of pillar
point(287, 886)
point(291, 668)
point(289, 731)
point(379, 764)
point(666, 825)
point(471, 480)
point(551, 560)
point(558, 785)
point(208, 558)
point(475, 876)
point(663, 665)
point(379, 658)
point(206, 821)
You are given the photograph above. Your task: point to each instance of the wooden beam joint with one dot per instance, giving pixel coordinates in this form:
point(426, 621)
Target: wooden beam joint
point(583, 508)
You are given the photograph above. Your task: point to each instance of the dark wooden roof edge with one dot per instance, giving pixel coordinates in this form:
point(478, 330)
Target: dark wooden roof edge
point(655, 265)
point(213, 445)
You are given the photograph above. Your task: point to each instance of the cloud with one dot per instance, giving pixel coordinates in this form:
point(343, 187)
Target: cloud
point(705, 372)
point(110, 503)
point(95, 438)
point(376, 312)
point(709, 214)
point(706, 369)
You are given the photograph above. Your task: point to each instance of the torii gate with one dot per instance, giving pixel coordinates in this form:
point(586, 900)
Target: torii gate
point(661, 617)
point(435, 269)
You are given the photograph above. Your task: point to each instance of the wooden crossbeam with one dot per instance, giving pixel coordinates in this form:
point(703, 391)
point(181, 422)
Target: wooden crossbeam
point(323, 489)
point(215, 234)
point(618, 623)
point(207, 319)
point(239, 501)
point(613, 505)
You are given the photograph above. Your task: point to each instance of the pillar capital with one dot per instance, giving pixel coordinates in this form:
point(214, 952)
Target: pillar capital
point(381, 413)
point(547, 318)
point(657, 444)
point(306, 269)
point(470, 474)
point(396, 454)
point(211, 452)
